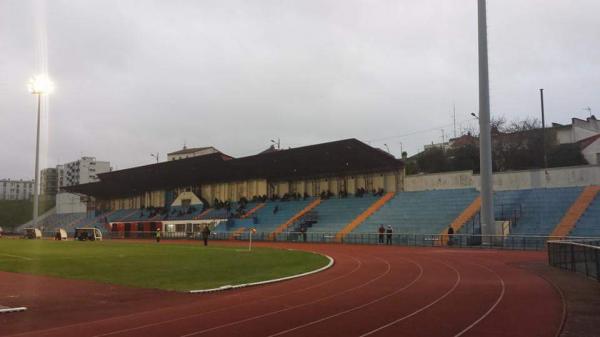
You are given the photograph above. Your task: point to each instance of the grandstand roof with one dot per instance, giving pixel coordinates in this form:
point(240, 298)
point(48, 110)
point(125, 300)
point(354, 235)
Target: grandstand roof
point(344, 157)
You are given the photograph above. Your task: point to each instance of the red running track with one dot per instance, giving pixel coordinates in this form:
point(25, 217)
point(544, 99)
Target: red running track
point(370, 291)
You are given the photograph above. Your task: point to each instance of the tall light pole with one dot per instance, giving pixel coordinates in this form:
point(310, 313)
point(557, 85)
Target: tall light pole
point(543, 129)
point(39, 85)
point(485, 134)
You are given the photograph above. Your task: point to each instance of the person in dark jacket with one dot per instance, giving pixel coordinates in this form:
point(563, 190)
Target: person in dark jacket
point(381, 231)
point(205, 234)
point(388, 234)
point(303, 231)
point(450, 235)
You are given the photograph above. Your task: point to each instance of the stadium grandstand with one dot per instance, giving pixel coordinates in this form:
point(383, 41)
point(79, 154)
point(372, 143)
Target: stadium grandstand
point(337, 191)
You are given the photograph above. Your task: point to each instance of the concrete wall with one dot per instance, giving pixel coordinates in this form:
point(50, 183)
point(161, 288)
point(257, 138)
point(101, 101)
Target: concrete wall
point(439, 181)
point(514, 180)
point(69, 203)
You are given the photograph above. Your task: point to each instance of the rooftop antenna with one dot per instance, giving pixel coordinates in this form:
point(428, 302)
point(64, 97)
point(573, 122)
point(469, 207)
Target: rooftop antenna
point(387, 147)
point(588, 109)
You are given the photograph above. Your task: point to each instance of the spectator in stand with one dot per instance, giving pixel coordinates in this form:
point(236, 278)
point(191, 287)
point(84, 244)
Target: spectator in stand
point(381, 231)
point(276, 209)
point(388, 234)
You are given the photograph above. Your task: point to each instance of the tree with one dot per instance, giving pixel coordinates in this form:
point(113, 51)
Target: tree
point(432, 160)
point(566, 155)
point(464, 158)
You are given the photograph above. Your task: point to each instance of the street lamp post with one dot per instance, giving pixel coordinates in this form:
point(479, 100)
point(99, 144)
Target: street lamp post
point(278, 143)
point(39, 85)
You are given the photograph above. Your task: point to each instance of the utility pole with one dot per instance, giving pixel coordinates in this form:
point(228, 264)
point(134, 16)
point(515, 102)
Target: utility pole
point(485, 137)
point(543, 129)
point(454, 118)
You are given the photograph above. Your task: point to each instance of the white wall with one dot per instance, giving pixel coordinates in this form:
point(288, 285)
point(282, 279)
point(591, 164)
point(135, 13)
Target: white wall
point(514, 180)
point(591, 152)
point(69, 203)
point(194, 200)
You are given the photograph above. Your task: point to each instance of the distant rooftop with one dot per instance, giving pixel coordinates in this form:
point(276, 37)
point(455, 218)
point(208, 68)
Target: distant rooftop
point(186, 150)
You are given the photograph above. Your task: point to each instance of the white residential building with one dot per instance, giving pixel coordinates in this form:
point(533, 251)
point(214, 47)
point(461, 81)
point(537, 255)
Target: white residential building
point(578, 130)
point(82, 171)
point(586, 133)
point(191, 152)
point(16, 189)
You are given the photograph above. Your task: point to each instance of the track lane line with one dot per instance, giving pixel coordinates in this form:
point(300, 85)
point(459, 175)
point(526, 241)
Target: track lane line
point(489, 311)
point(199, 332)
point(183, 306)
point(451, 290)
point(358, 266)
point(356, 307)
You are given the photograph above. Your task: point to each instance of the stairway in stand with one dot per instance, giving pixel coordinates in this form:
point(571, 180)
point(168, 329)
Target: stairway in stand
point(575, 212)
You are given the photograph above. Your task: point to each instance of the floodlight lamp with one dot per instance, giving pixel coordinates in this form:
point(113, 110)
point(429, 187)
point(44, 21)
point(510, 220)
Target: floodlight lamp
point(40, 85)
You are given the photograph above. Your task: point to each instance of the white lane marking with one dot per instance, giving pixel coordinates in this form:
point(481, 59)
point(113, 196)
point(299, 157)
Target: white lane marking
point(358, 266)
point(356, 307)
point(243, 285)
point(389, 268)
point(498, 300)
point(458, 279)
point(17, 256)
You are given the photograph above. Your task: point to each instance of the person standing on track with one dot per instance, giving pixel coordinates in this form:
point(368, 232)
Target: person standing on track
point(158, 235)
point(205, 234)
point(450, 235)
point(381, 231)
point(388, 234)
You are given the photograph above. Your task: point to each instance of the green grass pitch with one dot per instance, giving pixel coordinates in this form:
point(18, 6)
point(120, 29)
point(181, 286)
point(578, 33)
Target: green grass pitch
point(151, 265)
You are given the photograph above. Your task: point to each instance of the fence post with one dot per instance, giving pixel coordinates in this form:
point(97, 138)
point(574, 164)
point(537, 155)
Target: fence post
point(585, 249)
point(597, 265)
point(573, 258)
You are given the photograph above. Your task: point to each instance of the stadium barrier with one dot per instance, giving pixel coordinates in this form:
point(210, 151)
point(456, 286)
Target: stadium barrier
point(510, 242)
point(580, 256)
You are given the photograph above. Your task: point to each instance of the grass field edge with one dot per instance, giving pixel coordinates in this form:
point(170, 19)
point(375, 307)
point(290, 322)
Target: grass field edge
point(280, 279)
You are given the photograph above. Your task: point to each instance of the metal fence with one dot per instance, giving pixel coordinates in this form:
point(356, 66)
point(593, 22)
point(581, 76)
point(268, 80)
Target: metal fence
point(580, 256)
point(510, 242)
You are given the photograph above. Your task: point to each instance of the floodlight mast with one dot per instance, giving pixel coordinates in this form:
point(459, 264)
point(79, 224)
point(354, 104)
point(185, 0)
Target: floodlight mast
point(485, 138)
point(39, 85)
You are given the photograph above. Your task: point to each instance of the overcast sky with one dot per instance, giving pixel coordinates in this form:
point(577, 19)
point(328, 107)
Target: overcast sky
point(137, 77)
